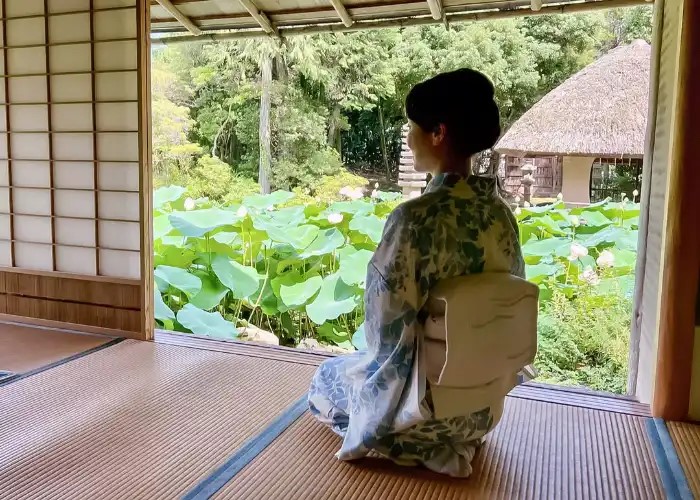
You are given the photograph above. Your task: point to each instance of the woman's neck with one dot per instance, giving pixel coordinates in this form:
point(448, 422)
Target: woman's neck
point(461, 167)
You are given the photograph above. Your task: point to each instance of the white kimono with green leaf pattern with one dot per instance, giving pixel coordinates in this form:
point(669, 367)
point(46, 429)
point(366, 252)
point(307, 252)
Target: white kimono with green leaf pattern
point(373, 398)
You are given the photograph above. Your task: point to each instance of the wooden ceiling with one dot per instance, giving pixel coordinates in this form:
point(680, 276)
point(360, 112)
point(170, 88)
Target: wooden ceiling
point(250, 18)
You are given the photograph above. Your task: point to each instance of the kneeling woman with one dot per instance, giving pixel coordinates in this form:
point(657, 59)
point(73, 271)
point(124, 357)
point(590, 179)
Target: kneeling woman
point(459, 226)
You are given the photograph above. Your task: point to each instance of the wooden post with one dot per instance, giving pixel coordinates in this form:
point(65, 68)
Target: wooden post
point(411, 182)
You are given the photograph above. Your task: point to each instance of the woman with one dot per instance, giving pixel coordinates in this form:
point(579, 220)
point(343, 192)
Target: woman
point(375, 399)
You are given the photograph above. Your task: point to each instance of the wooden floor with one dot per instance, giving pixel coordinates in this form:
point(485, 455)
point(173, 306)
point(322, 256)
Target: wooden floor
point(157, 420)
point(23, 348)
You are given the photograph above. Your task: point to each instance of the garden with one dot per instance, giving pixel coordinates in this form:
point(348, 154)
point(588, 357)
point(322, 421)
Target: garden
point(286, 270)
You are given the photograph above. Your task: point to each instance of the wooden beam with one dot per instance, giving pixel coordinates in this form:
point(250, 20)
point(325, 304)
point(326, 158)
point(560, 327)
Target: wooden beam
point(183, 19)
point(435, 7)
point(342, 12)
point(259, 17)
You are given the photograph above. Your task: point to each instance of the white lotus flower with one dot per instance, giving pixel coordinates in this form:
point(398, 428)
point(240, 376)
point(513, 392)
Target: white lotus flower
point(189, 204)
point(242, 212)
point(635, 193)
point(335, 218)
point(575, 221)
point(577, 251)
point(606, 259)
point(345, 191)
point(623, 196)
point(527, 204)
point(560, 197)
point(590, 276)
point(517, 211)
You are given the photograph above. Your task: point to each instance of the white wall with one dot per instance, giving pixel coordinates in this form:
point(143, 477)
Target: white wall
point(576, 178)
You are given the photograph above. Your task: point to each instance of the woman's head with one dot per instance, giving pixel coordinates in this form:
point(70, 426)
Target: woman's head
point(452, 117)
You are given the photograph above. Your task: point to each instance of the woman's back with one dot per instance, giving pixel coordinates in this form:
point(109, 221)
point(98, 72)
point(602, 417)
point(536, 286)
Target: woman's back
point(459, 226)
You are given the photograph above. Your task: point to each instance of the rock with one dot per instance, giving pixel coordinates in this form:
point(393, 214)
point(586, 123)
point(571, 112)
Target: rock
point(254, 334)
point(315, 345)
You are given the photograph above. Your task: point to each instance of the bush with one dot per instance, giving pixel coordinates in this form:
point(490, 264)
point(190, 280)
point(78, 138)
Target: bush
point(585, 340)
point(209, 178)
point(213, 179)
point(288, 174)
point(241, 187)
point(327, 189)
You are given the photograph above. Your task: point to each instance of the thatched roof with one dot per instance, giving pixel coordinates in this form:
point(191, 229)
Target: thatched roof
point(600, 111)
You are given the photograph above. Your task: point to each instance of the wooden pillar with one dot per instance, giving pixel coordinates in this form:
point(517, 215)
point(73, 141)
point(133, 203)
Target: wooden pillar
point(680, 272)
point(411, 182)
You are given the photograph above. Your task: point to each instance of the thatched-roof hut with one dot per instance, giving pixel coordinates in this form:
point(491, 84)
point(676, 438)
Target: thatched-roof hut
point(600, 112)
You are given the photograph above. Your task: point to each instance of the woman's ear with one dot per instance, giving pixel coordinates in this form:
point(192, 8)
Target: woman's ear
point(439, 134)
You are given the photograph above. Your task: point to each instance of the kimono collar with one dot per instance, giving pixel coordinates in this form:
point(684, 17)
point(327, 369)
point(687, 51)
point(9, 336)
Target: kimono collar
point(473, 185)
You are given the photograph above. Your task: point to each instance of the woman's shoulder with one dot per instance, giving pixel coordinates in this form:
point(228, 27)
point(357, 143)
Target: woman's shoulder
point(416, 210)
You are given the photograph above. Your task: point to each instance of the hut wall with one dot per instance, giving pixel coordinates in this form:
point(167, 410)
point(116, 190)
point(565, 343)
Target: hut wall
point(576, 178)
point(74, 156)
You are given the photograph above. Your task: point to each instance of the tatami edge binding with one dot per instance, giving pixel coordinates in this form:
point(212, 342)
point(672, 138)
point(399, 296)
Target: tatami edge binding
point(210, 485)
point(21, 376)
point(673, 479)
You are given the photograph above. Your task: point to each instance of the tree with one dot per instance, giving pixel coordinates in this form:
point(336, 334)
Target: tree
point(171, 123)
point(341, 96)
point(628, 25)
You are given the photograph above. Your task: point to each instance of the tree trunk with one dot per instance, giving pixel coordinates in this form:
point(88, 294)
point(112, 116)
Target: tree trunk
point(333, 127)
point(264, 131)
point(382, 142)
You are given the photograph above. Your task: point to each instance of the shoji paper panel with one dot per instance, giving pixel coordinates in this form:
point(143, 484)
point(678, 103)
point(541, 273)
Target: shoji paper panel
point(70, 130)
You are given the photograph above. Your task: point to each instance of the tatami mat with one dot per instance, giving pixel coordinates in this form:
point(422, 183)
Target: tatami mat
point(24, 348)
point(136, 420)
point(539, 451)
point(686, 439)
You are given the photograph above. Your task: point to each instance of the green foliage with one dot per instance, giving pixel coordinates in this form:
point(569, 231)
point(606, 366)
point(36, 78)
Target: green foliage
point(299, 270)
point(583, 260)
point(287, 174)
point(327, 189)
point(345, 92)
point(586, 341)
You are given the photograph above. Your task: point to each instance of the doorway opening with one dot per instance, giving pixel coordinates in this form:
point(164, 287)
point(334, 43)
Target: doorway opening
point(319, 119)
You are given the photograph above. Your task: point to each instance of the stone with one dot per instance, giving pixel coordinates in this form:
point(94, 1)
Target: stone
point(315, 345)
point(254, 334)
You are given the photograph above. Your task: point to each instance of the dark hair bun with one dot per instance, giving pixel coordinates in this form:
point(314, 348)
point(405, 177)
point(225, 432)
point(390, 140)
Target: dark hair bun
point(462, 101)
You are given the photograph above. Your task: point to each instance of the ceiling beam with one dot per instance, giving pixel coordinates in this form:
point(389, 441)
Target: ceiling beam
point(342, 12)
point(435, 8)
point(259, 17)
point(182, 19)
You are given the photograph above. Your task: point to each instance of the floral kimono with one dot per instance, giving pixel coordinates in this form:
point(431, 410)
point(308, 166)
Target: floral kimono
point(375, 399)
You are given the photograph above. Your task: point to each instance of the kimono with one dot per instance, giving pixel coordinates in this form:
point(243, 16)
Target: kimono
point(375, 399)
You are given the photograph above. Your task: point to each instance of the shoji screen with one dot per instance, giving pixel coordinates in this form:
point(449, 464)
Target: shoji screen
point(73, 151)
